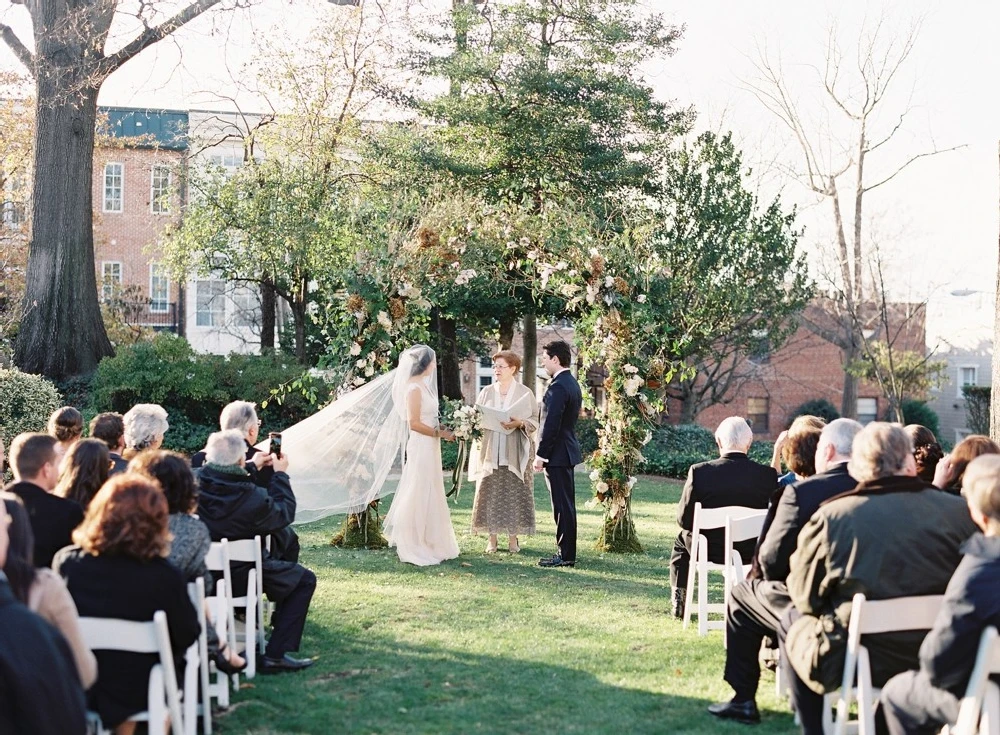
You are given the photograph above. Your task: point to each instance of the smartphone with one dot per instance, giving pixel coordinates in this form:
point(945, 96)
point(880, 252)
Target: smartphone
point(275, 438)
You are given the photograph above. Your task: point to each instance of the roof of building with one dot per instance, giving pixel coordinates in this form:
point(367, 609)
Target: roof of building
point(155, 128)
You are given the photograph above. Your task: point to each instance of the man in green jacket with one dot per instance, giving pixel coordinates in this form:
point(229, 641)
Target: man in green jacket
point(892, 536)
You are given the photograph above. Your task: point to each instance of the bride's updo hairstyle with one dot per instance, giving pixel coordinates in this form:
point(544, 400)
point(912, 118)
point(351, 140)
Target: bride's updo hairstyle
point(422, 357)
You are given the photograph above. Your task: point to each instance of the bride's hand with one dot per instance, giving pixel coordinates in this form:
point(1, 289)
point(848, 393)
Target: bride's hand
point(448, 435)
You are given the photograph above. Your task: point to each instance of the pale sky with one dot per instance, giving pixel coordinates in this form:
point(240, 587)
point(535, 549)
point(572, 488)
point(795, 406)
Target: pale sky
point(940, 217)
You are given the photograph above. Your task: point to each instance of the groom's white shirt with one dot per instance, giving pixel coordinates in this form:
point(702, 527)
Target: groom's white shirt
point(556, 374)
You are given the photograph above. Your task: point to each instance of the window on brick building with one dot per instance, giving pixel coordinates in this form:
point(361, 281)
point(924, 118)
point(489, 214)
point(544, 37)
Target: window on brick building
point(867, 410)
point(759, 349)
point(967, 375)
point(210, 303)
point(111, 278)
point(228, 162)
point(758, 410)
point(246, 307)
point(114, 179)
point(159, 190)
point(484, 373)
point(159, 289)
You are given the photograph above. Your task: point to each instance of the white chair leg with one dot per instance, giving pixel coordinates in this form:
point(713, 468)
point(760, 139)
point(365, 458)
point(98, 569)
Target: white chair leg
point(689, 592)
point(702, 587)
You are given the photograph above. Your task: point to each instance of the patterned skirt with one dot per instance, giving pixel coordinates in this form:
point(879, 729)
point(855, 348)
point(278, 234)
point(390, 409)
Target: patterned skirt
point(505, 503)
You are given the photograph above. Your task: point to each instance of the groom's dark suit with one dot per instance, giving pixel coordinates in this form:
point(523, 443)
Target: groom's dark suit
point(561, 451)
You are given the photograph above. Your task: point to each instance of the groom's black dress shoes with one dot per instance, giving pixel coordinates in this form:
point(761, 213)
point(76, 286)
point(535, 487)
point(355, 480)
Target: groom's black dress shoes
point(745, 712)
point(556, 561)
point(283, 664)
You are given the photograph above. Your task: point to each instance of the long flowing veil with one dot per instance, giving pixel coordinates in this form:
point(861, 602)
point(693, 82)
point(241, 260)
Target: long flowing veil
point(340, 458)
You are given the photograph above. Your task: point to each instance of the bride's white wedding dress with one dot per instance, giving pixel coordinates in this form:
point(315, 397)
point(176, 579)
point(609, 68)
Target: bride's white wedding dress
point(419, 524)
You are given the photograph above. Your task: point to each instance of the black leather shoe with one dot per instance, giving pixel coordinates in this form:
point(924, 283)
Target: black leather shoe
point(745, 712)
point(283, 664)
point(556, 561)
point(677, 608)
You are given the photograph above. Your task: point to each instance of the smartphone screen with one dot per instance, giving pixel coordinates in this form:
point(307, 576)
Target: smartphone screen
point(275, 438)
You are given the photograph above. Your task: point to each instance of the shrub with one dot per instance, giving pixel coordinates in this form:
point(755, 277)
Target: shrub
point(918, 412)
point(193, 387)
point(586, 434)
point(816, 407)
point(26, 401)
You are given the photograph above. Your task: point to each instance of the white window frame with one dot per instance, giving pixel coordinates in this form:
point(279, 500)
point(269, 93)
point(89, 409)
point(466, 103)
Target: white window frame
point(121, 187)
point(158, 273)
point(767, 414)
point(975, 378)
point(160, 203)
point(214, 310)
point(875, 416)
point(106, 288)
point(245, 307)
point(483, 371)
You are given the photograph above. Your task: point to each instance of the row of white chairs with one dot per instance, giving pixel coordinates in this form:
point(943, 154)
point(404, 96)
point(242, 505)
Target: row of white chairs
point(166, 702)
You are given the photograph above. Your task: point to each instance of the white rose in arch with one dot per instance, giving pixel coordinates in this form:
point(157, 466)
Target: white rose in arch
point(602, 488)
point(355, 349)
point(595, 476)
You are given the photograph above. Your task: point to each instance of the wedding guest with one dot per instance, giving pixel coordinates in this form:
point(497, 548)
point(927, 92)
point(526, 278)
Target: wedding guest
point(756, 605)
point(118, 569)
point(66, 425)
point(926, 450)
point(84, 470)
point(233, 507)
point(42, 590)
point(505, 492)
point(110, 429)
point(892, 536)
point(145, 425)
point(34, 459)
point(190, 540)
point(796, 447)
point(923, 701)
point(40, 690)
point(559, 450)
point(733, 479)
point(951, 468)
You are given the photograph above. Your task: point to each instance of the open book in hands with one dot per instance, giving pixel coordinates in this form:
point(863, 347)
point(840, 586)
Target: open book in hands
point(494, 417)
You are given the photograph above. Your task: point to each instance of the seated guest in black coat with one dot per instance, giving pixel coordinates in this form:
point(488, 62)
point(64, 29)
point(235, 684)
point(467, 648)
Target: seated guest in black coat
point(233, 507)
point(40, 690)
point(35, 460)
point(756, 605)
point(924, 701)
point(110, 429)
point(118, 569)
point(733, 479)
point(242, 416)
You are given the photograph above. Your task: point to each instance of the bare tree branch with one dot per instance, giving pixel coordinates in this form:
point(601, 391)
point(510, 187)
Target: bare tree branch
point(20, 50)
point(917, 157)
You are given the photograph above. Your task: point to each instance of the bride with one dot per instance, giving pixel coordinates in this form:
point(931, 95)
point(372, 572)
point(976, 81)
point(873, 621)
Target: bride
point(344, 457)
point(418, 523)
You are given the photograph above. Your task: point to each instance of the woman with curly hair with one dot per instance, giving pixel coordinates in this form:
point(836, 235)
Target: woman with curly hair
point(926, 450)
point(84, 470)
point(950, 471)
point(145, 425)
point(796, 447)
point(66, 425)
point(118, 569)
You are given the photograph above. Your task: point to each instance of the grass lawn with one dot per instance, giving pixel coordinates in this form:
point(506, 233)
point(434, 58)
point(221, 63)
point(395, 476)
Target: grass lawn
point(495, 644)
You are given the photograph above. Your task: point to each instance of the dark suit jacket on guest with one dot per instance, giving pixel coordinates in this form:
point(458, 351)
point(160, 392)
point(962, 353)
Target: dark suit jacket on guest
point(733, 479)
point(797, 504)
point(120, 464)
point(558, 444)
point(127, 588)
point(40, 691)
point(53, 519)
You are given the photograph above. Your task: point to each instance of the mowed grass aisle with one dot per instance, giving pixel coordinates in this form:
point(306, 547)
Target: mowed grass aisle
point(495, 644)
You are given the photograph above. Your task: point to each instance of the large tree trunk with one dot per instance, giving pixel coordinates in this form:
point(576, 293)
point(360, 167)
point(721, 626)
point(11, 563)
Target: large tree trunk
point(529, 367)
point(62, 332)
point(995, 382)
point(849, 399)
point(688, 405)
point(448, 362)
point(506, 336)
point(268, 305)
point(299, 317)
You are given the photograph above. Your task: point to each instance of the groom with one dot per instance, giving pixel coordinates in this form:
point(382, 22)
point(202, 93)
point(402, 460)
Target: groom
point(558, 449)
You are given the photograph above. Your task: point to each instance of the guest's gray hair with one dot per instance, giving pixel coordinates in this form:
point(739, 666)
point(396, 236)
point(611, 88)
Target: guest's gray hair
point(734, 433)
point(240, 415)
point(144, 422)
point(840, 434)
point(225, 447)
point(981, 486)
point(880, 450)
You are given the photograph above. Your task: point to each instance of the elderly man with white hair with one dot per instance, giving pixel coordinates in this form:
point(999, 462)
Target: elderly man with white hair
point(145, 425)
point(756, 605)
point(234, 507)
point(733, 479)
point(894, 535)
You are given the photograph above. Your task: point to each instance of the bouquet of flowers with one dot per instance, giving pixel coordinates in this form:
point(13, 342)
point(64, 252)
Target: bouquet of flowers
point(467, 424)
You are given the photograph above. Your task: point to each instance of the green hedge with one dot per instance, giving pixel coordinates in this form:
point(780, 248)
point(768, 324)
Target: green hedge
point(26, 402)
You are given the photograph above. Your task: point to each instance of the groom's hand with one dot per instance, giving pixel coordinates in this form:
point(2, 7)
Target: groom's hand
point(539, 465)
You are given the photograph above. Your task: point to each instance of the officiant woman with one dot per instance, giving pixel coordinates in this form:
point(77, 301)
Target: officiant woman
point(501, 464)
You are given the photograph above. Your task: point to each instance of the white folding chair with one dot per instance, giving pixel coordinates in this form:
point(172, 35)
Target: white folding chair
point(979, 713)
point(871, 617)
point(707, 519)
point(218, 560)
point(739, 528)
point(218, 605)
point(249, 550)
point(111, 634)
